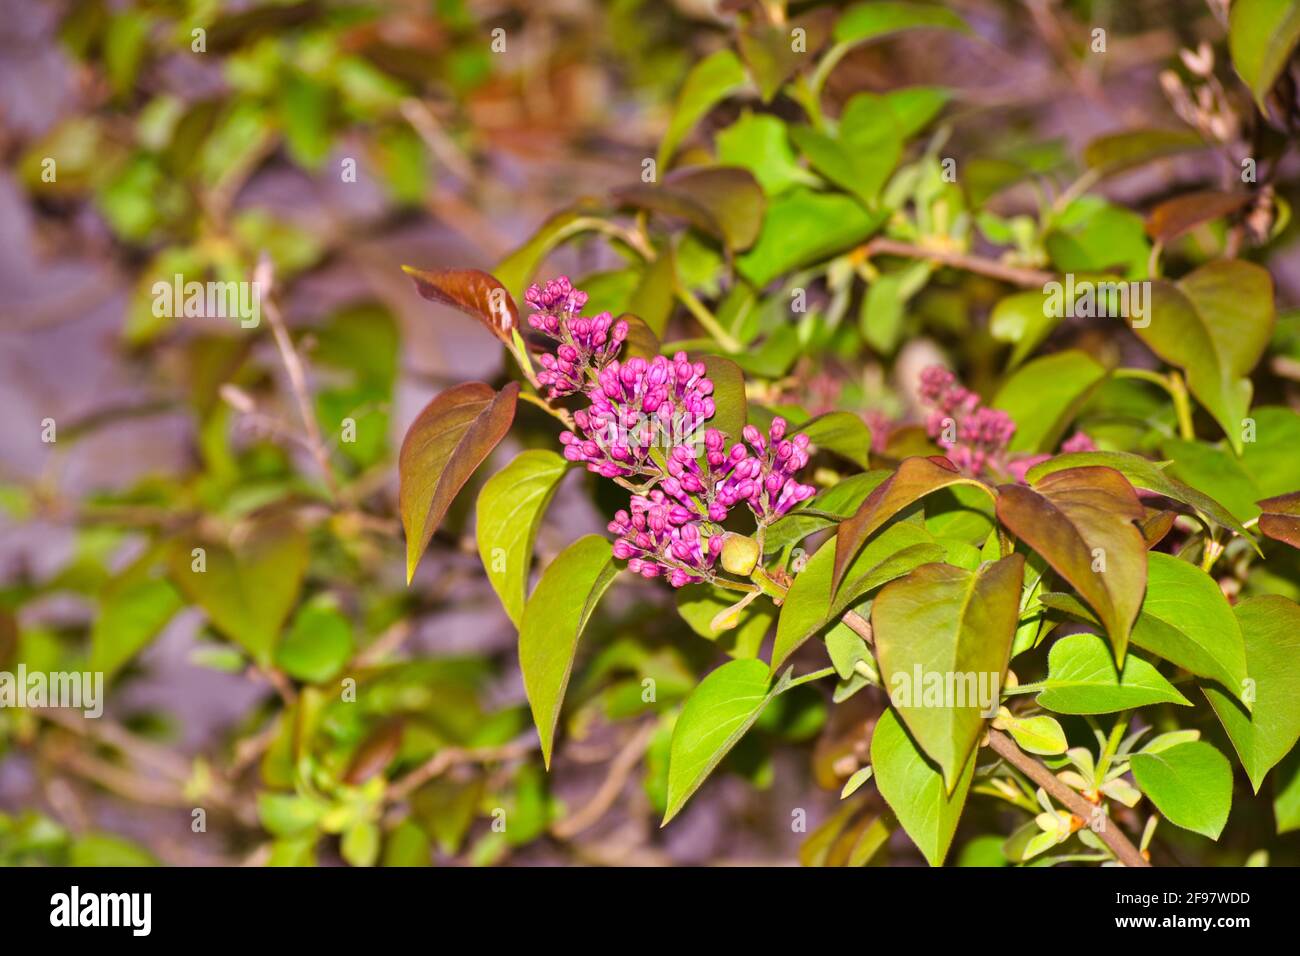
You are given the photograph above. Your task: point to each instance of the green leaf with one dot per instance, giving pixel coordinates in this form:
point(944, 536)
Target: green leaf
point(1271, 459)
point(1270, 626)
point(553, 620)
point(868, 147)
point(131, 613)
point(1147, 475)
point(1036, 735)
point(1081, 522)
point(1190, 783)
point(1186, 620)
point(444, 445)
point(770, 53)
point(516, 269)
point(869, 21)
point(509, 512)
point(803, 227)
point(759, 143)
point(951, 627)
point(915, 478)
point(247, 588)
point(717, 714)
point(1081, 679)
point(1261, 36)
point(885, 304)
point(914, 788)
point(1044, 396)
point(710, 82)
point(832, 506)
point(808, 607)
point(319, 642)
point(1024, 321)
point(841, 432)
point(1214, 324)
point(1215, 471)
point(731, 407)
point(1286, 795)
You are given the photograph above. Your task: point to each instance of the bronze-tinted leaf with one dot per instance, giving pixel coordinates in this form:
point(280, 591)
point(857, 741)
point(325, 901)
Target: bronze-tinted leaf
point(1156, 525)
point(443, 446)
point(1179, 215)
point(1081, 521)
point(375, 753)
point(472, 291)
point(1281, 518)
point(915, 478)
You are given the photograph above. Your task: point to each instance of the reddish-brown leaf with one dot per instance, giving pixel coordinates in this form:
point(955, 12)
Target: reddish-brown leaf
point(723, 201)
point(1081, 521)
point(443, 446)
point(1281, 518)
point(473, 292)
point(1174, 217)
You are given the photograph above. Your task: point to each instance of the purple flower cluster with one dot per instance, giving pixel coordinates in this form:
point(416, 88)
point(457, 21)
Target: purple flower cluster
point(642, 404)
point(585, 343)
point(975, 436)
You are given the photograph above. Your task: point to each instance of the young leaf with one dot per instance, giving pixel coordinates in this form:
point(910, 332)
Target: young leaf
point(509, 512)
point(954, 625)
point(914, 788)
point(553, 620)
point(318, 644)
point(1081, 522)
point(1191, 784)
point(1270, 625)
point(916, 477)
point(131, 613)
point(1081, 679)
point(248, 588)
point(717, 714)
point(444, 445)
point(870, 21)
point(473, 292)
point(700, 604)
point(803, 227)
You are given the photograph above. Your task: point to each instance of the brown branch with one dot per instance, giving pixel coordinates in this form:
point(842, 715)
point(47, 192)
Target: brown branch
point(450, 757)
point(1112, 836)
point(1026, 278)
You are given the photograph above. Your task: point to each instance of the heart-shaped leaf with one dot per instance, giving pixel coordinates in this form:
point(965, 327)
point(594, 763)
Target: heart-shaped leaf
point(1045, 395)
point(1081, 679)
point(509, 511)
point(553, 620)
point(1081, 521)
point(246, 587)
point(1270, 625)
point(914, 788)
point(473, 292)
point(1190, 783)
point(915, 478)
point(444, 445)
point(943, 638)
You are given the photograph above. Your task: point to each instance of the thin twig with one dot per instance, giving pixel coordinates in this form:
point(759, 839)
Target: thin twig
point(297, 378)
point(1015, 275)
point(450, 757)
point(1112, 836)
point(620, 769)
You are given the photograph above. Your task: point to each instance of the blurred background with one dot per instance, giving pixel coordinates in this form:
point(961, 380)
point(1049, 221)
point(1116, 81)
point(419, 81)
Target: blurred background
point(193, 136)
